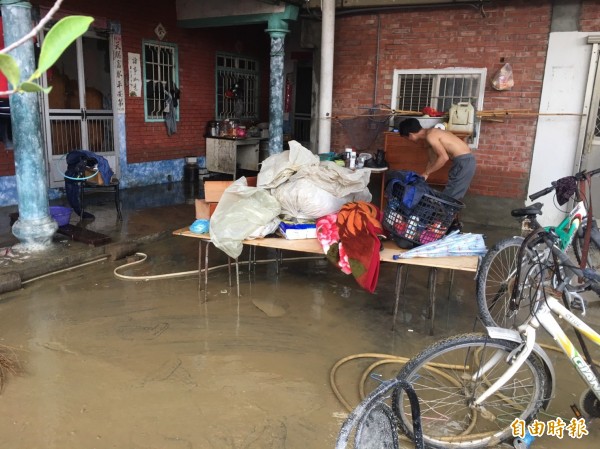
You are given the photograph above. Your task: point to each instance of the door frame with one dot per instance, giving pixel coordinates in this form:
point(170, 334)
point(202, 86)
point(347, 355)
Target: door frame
point(590, 107)
point(56, 164)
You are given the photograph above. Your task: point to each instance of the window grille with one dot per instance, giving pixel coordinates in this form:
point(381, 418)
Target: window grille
point(237, 88)
point(160, 74)
point(414, 90)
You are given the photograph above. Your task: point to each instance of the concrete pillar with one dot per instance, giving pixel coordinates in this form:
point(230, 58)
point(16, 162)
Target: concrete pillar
point(35, 227)
point(326, 82)
point(277, 30)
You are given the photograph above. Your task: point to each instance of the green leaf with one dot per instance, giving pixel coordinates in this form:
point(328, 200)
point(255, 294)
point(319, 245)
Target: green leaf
point(58, 40)
point(34, 87)
point(10, 69)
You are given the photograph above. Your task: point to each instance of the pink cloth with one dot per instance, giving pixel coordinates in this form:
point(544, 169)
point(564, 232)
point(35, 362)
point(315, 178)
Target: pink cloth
point(328, 237)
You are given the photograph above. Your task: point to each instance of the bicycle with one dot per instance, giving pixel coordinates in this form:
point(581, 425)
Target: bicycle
point(496, 275)
point(472, 387)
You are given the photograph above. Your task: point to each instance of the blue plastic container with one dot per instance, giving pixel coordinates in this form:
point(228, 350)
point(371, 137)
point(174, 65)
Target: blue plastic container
point(61, 214)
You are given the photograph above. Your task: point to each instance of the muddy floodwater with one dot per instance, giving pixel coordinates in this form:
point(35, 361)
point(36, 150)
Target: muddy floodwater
point(146, 364)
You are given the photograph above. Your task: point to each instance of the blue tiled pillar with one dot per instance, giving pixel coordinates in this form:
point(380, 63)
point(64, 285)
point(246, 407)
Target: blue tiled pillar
point(35, 227)
point(277, 30)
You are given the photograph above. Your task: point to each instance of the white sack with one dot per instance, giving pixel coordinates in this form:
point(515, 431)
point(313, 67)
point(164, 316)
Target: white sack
point(278, 168)
point(301, 198)
point(308, 188)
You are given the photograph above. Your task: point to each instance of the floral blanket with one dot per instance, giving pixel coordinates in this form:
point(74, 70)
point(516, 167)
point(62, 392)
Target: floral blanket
point(350, 239)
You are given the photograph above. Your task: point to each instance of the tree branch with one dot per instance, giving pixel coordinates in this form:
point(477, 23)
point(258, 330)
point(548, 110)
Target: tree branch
point(35, 30)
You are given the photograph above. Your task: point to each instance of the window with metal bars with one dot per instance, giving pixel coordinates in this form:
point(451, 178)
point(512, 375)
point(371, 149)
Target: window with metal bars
point(161, 77)
point(237, 87)
point(414, 90)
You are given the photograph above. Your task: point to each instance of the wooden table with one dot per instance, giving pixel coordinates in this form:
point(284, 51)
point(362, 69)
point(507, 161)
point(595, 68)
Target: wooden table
point(312, 246)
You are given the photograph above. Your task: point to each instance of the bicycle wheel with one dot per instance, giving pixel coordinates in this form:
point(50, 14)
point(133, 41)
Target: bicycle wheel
point(496, 277)
point(447, 378)
point(593, 257)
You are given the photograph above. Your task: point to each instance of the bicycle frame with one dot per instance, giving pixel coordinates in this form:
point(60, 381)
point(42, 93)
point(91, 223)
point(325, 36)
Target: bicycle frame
point(568, 226)
point(543, 316)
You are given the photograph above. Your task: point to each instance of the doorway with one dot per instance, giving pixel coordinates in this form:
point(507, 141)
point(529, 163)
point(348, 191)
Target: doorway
point(78, 109)
point(590, 157)
point(303, 103)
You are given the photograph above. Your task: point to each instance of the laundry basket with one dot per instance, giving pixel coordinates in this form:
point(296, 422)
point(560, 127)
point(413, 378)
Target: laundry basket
point(425, 222)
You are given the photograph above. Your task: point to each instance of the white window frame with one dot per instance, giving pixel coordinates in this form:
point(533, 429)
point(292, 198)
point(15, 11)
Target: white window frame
point(438, 73)
point(162, 77)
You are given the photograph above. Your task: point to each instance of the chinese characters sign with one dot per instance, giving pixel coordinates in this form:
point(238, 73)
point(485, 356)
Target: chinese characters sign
point(558, 428)
point(119, 84)
point(135, 78)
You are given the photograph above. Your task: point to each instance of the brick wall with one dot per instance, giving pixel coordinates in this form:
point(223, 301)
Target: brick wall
point(453, 37)
point(410, 39)
point(590, 16)
point(148, 141)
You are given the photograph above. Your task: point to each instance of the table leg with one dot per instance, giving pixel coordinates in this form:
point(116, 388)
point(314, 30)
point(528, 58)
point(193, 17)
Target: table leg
point(237, 277)
point(229, 269)
point(277, 257)
point(249, 260)
point(431, 286)
point(206, 271)
point(451, 283)
point(397, 293)
point(200, 265)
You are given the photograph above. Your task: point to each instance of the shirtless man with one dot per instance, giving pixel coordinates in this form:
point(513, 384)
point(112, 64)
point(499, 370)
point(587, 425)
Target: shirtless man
point(443, 145)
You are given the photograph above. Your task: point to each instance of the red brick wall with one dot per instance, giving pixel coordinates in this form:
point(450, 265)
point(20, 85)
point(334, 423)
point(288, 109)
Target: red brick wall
point(590, 16)
point(148, 141)
point(7, 161)
point(453, 37)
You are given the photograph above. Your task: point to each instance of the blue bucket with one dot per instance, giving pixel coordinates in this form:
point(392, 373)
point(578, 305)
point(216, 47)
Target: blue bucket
point(62, 215)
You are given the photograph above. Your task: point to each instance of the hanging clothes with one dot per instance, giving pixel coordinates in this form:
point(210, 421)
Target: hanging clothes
point(169, 113)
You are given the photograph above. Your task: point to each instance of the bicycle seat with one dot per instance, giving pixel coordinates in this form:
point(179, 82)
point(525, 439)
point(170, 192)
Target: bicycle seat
point(533, 209)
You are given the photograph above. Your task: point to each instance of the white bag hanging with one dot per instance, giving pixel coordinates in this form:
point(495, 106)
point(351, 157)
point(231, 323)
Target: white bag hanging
point(461, 117)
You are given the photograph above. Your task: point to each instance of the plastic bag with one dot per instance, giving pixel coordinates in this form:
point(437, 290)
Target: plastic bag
point(302, 198)
point(308, 188)
point(200, 226)
point(241, 211)
point(503, 79)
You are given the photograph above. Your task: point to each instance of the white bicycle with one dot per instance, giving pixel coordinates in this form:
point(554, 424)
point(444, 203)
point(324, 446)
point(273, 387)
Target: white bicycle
point(472, 387)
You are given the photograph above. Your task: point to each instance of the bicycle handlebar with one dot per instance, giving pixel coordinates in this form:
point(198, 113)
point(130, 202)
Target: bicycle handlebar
point(578, 176)
point(535, 196)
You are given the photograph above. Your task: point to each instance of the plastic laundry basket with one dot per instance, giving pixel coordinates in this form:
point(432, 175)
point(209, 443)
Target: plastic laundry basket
point(426, 222)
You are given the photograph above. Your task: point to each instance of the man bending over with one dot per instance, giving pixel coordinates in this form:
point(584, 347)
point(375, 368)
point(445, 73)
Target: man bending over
point(443, 145)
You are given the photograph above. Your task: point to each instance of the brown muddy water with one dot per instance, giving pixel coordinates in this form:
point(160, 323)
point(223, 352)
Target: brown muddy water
point(145, 364)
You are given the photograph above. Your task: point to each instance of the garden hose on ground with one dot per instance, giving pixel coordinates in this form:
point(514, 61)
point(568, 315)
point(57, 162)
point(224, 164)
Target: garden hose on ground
point(384, 359)
point(148, 277)
point(99, 259)
point(192, 272)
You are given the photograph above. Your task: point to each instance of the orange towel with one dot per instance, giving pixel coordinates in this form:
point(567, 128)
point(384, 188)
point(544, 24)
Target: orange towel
point(359, 225)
